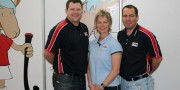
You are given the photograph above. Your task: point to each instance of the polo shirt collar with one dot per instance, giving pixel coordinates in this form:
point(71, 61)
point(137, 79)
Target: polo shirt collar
point(134, 31)
point(71, 23)
point(104, 40)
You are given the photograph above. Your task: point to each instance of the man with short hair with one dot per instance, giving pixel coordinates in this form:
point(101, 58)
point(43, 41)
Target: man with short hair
point(141, 52)
point(67, 49)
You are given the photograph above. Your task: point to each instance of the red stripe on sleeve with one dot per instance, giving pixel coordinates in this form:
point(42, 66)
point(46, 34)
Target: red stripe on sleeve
point(153, 40)
point(55, 34)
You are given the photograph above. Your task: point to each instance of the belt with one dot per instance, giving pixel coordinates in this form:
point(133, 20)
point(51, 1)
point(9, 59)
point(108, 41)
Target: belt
point(71, 74)
point(136, 77)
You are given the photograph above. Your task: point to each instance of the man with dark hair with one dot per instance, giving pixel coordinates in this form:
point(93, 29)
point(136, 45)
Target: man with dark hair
point(141, 52)
point(67, 49)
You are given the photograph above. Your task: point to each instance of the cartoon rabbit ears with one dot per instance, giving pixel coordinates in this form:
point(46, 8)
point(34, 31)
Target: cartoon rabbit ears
point(9, 4)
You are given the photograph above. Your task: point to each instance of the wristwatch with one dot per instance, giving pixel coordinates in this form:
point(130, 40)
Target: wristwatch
point(102, 85)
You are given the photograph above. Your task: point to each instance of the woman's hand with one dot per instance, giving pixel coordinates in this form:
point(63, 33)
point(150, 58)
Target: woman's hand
point(91, 87)
point(98, 87)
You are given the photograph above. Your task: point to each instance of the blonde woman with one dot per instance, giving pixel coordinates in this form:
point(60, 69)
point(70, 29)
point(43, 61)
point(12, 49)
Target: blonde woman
point(104, 56)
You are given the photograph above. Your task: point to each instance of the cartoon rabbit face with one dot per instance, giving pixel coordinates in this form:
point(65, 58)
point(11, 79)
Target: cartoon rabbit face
point(8, 21)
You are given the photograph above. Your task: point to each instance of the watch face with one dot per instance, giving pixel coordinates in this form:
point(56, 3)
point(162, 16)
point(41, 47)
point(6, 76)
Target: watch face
point(102, 87)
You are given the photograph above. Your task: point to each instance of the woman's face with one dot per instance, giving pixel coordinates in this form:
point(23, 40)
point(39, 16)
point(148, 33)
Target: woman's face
point(103, 25)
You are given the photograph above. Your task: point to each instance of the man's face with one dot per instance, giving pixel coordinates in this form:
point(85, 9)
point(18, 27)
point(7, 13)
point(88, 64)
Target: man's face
point(129, 18)
point(74, 12)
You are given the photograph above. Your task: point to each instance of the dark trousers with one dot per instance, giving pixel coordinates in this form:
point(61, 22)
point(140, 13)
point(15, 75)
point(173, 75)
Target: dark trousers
point(113, 88)
point(69, 82)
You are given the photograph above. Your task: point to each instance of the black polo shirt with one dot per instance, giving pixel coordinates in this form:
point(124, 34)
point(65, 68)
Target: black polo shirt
point(69, 44)
point(138, 49)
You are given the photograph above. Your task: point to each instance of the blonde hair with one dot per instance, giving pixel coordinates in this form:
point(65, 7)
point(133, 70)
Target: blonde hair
point(103, 13)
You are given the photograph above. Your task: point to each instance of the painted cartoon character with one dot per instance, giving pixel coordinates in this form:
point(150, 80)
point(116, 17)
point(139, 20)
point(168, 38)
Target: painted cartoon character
point(9, 30)
point(91, 7)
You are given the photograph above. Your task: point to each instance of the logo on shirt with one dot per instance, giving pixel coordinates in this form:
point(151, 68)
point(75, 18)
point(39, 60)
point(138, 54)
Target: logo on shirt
point(135, 44)
point(85, 34)
point(104, 46)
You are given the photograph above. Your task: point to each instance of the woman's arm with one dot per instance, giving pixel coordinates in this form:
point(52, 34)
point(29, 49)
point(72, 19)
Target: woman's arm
point(90, 84)
point(116, 62)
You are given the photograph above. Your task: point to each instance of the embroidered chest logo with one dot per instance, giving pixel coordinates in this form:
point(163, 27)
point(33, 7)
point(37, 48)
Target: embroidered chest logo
point(104, 46)
point(85, 34)
point(134, 44)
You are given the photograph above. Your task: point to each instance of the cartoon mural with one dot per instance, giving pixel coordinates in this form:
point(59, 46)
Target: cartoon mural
point(9, 30)
point(91, 7)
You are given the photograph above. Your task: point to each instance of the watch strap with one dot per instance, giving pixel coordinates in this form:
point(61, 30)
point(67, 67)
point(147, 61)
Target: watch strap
point(103, 85)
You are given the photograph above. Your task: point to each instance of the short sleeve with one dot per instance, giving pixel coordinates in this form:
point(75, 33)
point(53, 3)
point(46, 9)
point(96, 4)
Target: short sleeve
point(53, 40)
point(115, 47)
point(153, 46)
